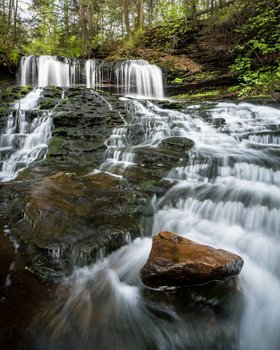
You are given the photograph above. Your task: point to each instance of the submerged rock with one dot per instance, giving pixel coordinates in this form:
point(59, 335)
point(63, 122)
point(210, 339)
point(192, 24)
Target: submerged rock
point(177, 261)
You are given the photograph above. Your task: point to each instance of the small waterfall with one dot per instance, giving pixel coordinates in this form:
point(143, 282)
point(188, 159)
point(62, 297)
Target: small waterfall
point(139, 77)
point(28, 72)
point(53, 72)
point(44, 71)
point(125, 77)
point(23, 140)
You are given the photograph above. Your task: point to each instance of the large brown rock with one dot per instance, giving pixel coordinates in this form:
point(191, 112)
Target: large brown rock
point(177, 261)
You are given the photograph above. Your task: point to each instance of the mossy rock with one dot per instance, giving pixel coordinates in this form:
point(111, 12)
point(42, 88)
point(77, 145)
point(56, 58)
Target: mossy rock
point(47, 103)
point(160, 158)
point(56, 147)
point(176, 144)
point(170, 105)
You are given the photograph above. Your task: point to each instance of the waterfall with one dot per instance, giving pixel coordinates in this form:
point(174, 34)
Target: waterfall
point(23, 140)
point(125, 77)
point(28, 71)
point(228, 197)
point(140, 78)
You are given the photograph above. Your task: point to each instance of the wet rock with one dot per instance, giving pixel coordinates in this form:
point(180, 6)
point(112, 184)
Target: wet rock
point(177, 261)
point(47, 103)
point(156, 157)
point(75, 219)
point(170, 105)
point(218, 122)
point(176, 144)
point(82, 122)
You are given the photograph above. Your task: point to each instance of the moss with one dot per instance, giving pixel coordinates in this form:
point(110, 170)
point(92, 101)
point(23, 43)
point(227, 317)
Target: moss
point(174, 255)
point(130, 198)
point(204, 76)
point(47, 103)
point(56, 146)
point(146, 185)
point(42, 272)
point(201, 95)
point(12, 94)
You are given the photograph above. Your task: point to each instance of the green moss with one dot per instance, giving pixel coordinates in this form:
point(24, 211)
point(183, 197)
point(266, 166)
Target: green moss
point(12, 94)
point(130, 198)
point(56, 146)
point(204, 76)
point(44, 273)
point(174, 255)
point(178, 81)
point(146, 185)
point(200, 95)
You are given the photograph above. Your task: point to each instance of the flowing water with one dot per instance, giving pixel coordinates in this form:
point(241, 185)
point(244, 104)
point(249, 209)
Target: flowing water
point(227, 196)
point(24, 139)
point(127, 77)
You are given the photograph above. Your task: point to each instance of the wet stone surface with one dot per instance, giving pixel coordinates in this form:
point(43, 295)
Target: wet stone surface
point(178, 261)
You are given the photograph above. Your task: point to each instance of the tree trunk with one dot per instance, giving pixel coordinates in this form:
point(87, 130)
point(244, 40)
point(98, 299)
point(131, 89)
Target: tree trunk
point(151, 12)
point(140, 14)
point(15, 9)
point(126, 18)
point(8, 23)
point(66, 21)
point(212, 8)
point(194, 14)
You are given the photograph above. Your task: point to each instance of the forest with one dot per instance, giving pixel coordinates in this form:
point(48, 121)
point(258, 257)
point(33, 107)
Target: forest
point(186, 37)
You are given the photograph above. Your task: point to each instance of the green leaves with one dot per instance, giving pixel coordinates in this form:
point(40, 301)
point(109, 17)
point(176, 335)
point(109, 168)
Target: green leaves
point(257, 61)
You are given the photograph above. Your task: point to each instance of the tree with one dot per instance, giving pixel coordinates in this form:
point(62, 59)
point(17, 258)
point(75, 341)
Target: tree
point(126, 18)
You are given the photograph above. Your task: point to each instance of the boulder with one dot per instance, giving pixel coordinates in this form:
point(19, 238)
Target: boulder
point(177, 261)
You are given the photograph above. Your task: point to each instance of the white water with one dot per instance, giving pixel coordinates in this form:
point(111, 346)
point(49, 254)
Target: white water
point(128, 77)
point(122, 146)
point(232, 200)
point(229, 198)
point(23, 140)
point(147, 79)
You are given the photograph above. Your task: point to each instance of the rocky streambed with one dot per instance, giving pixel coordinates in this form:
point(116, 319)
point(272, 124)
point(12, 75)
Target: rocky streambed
point(118, 169)
point(64, 210)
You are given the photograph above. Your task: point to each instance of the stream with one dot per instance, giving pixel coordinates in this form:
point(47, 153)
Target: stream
point(227, 195)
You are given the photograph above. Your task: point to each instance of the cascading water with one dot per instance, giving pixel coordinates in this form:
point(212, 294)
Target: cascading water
point(122, 144)
point(141, 78)
point(23, 140)
point(227, 197)
point(126, 77)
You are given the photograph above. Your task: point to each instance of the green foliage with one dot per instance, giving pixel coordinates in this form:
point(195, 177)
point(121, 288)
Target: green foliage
point(257, 64)
point(200, 95)
point(14, 56)
point(75, 47)
point(178, 81)
point(170, 11)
